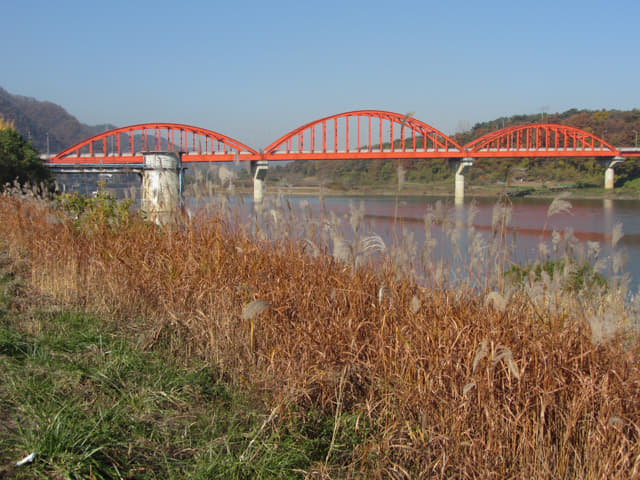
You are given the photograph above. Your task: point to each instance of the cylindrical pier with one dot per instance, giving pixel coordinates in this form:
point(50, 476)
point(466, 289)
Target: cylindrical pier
point(463, 165)
point(259, 169)
point(162, 186)
point(609, 178)
point(609, 174)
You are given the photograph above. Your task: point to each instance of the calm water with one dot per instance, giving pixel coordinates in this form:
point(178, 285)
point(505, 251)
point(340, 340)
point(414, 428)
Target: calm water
point(590, 220)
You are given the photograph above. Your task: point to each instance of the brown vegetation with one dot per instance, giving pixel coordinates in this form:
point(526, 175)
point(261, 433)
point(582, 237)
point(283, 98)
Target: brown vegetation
point(437, 379)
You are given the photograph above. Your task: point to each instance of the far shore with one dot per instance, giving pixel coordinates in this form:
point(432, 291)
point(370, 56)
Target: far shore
point(471, 191)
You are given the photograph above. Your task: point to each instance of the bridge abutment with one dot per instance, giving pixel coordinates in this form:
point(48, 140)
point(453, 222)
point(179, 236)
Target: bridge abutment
point(162, 186)
point(609, 177)
point(259, 171)
point(462, 166)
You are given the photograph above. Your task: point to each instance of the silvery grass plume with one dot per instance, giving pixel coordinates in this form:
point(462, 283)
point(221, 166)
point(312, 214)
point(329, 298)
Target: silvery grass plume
point(569, 243)
point(505, 355)
point(314, 250)
point(307, 221)
point(430, 243)
point(604, 326)
point(405, 256)
point(477, 248)
point(285, 223)
point(547, 294)
point(342, 251)
point(268, 219)
point(208, 185)
point(356, 216)
point(439, 212)
point(500, 249)
point(402, 176)
point(472, 212)
point(501, 217)
point(618, 262)
point(276, 216)
point(373, 244)
point(433, 264)
point(495, 355)
point(406, 118)
point(556, 240)
point(497, 300)
point(385, 295)
point(252, 309)
point(311, 227)
point(481, 352)
point(304, 206)
point(616, 234)
point(415, 305)
point(226, 176)
point(559, 205)
point(593, 250)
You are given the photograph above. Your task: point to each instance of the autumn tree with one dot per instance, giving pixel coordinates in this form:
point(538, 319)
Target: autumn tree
point(19, 161)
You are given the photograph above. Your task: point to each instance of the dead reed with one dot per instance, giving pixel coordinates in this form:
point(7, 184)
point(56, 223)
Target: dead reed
point(440, 378)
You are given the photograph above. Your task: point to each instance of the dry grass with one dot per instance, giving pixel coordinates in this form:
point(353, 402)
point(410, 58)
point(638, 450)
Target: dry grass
point(441, 382)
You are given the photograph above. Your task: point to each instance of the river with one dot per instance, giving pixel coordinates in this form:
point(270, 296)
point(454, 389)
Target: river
point(589, 221)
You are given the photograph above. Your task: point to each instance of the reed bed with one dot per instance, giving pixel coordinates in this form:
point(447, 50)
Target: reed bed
point(430, 373)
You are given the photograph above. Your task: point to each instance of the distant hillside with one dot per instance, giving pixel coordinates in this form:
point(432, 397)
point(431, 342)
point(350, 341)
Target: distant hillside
point(617, 127)
point(35, 119)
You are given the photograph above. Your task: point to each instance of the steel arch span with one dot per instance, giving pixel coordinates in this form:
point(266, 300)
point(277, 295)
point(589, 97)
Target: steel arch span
point(363, 134)
point(125, 145)
point(540, 140)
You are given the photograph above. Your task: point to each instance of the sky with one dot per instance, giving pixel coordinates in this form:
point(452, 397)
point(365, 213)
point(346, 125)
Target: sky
point(255, 70)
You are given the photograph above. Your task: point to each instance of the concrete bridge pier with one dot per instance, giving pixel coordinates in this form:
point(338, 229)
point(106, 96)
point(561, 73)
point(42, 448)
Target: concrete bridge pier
point(162, 186)
point(608, 165)
point(259, 172)
point(462, 166)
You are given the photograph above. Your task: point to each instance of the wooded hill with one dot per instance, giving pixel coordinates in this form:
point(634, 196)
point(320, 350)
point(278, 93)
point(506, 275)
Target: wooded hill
point(35, 119)
point(615, 126)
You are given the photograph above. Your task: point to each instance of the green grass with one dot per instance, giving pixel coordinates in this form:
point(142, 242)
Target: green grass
point(94, 405)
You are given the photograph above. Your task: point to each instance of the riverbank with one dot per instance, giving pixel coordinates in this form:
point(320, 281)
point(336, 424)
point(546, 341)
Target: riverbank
point(87, 398)
point(370, 373)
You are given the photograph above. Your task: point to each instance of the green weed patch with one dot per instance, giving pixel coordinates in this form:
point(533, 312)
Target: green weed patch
point(91, 404)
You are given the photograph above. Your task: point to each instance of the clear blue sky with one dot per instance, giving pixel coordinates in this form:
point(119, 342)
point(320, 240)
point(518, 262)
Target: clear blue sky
point(256, 70)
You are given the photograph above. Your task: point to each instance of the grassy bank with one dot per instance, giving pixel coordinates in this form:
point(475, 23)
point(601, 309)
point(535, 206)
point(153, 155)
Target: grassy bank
point(92, 403)
point(361, 370)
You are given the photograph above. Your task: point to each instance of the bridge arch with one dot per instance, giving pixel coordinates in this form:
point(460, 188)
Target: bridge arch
point(540, 140)
point(363, 134)
point(126, 144)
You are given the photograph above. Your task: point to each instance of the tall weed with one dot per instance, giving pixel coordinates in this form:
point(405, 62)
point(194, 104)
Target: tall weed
point(450, 369)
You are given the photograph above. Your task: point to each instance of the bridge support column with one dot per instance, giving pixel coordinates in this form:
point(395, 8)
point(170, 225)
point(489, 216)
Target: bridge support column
point(259, 171)
point(608, 165)
point(162, 186)
point(462, 166)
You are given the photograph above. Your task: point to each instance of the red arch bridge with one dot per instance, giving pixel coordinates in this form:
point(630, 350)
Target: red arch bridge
point(362, 134)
